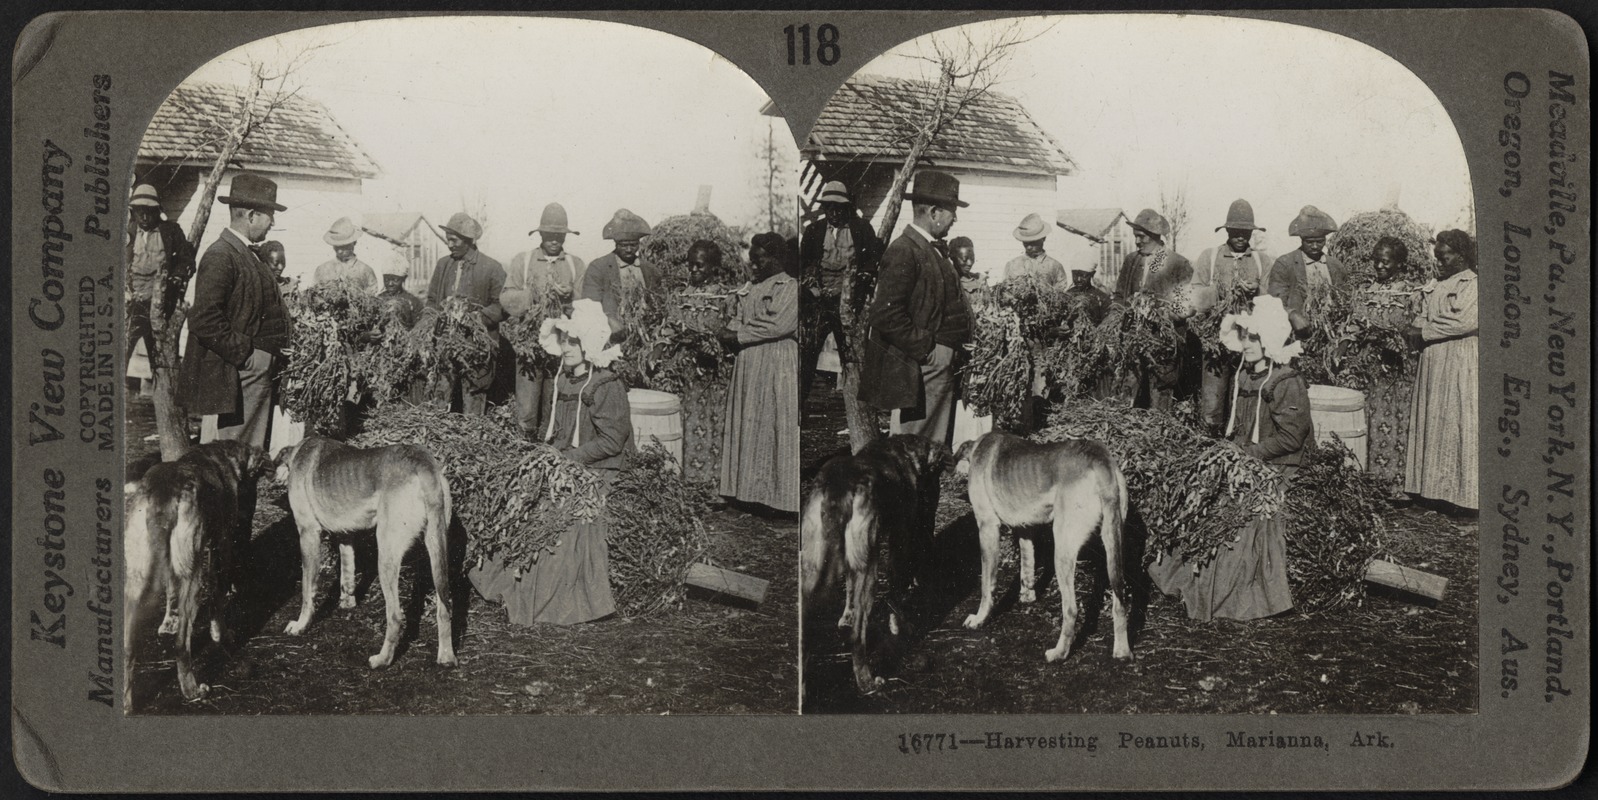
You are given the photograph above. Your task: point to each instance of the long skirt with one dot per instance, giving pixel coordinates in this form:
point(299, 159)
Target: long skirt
point(1247, 579)
point(566, 587)
point(760, 447)
point(1442, 462)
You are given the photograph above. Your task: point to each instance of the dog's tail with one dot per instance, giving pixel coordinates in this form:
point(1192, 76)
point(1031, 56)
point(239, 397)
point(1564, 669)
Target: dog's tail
point(187, 536)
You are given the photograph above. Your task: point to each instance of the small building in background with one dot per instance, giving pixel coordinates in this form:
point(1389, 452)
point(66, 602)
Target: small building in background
point(414, 240)
point(319, 168)
point(1007, 164)
point(1101, 238)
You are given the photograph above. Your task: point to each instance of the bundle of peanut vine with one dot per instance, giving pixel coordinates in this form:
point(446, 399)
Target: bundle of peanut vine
point(998, 373)
point(336, 341)
point(522, 331)
point(1356, 337)
point(517, 498)
point(446, 341)
point(1194, 493)
point(670, 341)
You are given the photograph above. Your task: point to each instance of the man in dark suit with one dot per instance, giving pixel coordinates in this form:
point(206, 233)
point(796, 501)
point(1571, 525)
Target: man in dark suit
point(1294, 274)
point(621, 276)
point(154, 245)
point(237, 326)
point(920, 321)
point(831, 249)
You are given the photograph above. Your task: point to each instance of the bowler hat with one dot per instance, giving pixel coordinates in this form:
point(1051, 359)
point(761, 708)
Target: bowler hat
point(1240, 217)
point(625, 226)
point(1311, 222)
point(145, 195)
point(342, 233)
point(835, 192)
point(1032, 229)
point(1149, 221)
point(250, 190)
point(553, 221)
point(462, 225)
point(937, 188)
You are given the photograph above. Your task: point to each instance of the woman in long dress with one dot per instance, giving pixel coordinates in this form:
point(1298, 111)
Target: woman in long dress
point(1247, 577)
point(1442, 460)
point(591, 424)
point(760, 448)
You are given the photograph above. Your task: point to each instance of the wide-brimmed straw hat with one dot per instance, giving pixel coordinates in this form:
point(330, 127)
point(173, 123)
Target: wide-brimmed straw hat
point(1268, 320)
point(589, 326)
point(1311, 222)
point(1240, 217)
point(553, 220)
point(249, 190)
point(937, 188)
point(1149, 221)
point(625, 226)
point(145, 195)
point(1032, 229)
point(342, 233)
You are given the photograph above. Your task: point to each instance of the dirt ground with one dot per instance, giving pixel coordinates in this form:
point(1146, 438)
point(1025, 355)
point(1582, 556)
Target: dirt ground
point(1387, 655)
point(707, 657)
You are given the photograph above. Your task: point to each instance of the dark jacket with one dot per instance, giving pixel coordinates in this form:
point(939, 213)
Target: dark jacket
point(813, 244)
point(602, 283)
point(598, 410)
point(238, 309)
point(1175, 274)
point(1289, 278)
point(484, 278)
point(1286, 426)
point(915, 288)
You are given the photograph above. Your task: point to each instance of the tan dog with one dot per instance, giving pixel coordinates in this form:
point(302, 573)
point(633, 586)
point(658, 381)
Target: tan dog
point(399, 491)
point(182, 526)
point(1075, 485)
point(855, 503)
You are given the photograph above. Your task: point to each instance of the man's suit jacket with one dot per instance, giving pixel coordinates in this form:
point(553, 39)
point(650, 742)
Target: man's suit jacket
point(1176, 274)
point(602, 283)
point(238, 309)
point(915, 284)
point(813, 244)
point(484, 278)
point(1289, 279)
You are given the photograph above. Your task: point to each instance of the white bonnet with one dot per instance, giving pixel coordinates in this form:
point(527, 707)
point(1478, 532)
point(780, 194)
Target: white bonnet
point(1269, 321)
point(589, 326)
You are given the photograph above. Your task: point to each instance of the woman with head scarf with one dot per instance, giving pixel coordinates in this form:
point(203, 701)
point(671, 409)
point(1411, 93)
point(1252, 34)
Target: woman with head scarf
point(1247, 577)
point(1442, 461)
point(590, 422)
point(760, 447)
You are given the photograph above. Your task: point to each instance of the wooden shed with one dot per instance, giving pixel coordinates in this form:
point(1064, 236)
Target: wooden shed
point(415, 241)
point(319, 168)
point(1007, 164)
point(1102, 238)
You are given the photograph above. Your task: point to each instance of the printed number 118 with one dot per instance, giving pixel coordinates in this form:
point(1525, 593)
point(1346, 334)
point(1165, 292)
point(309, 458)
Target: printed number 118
point(826, 50)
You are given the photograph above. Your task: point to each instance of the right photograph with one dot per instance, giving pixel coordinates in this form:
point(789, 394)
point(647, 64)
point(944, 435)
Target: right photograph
point(1138, 374)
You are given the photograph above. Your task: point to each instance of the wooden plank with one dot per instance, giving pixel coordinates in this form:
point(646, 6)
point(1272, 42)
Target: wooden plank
point(1406, 579)
point(725, 581)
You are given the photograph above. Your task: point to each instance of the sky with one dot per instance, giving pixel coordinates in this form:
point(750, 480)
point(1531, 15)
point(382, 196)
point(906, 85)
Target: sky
point(509, 114)
point(1278, 114)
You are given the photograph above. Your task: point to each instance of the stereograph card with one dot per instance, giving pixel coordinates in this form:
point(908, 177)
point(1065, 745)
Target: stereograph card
point(204, 202)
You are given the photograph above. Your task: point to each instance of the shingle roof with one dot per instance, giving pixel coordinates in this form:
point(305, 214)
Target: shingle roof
point(300, 137)
point(994, 130)
point(1090, 222)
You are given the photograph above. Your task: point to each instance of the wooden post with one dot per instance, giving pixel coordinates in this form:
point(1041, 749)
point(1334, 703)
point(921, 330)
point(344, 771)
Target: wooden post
point(702, 205)
point(727, 582)
point(1406, 579)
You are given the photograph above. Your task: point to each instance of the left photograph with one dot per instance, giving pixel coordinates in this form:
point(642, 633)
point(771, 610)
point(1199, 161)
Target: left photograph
point(461, 370)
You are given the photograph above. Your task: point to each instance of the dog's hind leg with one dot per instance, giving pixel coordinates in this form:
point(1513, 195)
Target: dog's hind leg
point(436, 539)
point(1073, 525)
point(389, 556)
point(1113, 498)
point(169, 619)
point(346, 574)
point(863, 585)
